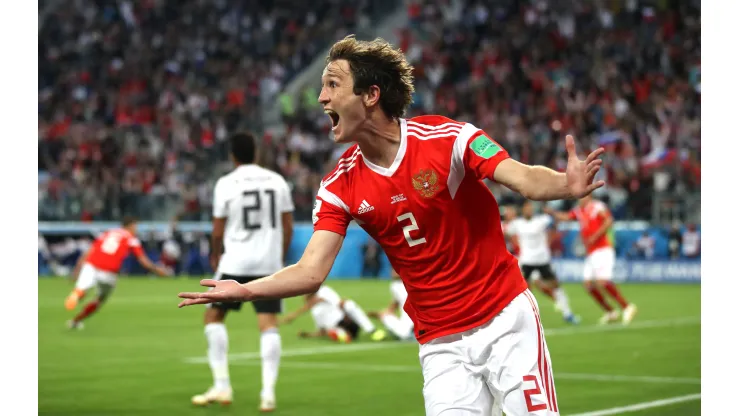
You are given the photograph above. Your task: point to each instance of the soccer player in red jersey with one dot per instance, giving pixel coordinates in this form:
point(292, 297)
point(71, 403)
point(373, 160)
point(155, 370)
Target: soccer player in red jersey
point(415, 185)
point(596, 222)
point(100, 265)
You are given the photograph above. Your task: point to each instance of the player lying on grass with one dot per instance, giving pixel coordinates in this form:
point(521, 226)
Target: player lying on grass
point(336, 318)
point(99, 267)
point(416, 187)
point(394, 318)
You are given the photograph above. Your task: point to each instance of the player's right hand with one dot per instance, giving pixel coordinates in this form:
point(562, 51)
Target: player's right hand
point(223, 291)
point(165, 271)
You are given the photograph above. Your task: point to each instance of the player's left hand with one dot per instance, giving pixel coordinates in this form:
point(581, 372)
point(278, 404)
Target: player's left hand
point(579, 174)
point(223, 291)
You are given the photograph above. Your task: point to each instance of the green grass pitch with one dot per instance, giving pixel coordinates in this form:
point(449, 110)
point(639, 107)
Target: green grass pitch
point(141, 355)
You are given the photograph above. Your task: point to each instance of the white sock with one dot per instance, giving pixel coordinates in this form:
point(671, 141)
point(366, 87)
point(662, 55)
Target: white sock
point(562, 300)
point(218, 348)
point(396, 326)
point(270, 348)
point(358, 315)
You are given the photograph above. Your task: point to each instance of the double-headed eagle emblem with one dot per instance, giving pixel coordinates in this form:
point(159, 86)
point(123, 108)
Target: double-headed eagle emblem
point(425, 182)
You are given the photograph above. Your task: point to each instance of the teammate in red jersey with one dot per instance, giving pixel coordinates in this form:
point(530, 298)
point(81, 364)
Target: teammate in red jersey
point(416, 187)
point(596, 221)
point(100, 265)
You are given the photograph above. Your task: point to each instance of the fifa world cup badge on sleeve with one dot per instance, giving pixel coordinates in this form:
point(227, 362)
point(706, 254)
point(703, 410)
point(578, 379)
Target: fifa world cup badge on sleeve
point(484, 147)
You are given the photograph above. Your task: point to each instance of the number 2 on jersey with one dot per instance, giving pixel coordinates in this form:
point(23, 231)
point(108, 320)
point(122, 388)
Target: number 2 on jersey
point(409, 228)
point(111, 243)
point(254, 204)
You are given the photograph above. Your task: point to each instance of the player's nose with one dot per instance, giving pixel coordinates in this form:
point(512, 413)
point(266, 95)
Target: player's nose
point(324, 97)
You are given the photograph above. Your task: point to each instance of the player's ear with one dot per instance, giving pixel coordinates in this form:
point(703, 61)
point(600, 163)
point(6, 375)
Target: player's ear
point(372, 96)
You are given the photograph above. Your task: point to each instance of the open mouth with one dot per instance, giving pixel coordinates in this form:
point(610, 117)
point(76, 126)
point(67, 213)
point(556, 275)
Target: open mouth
point(334, 118)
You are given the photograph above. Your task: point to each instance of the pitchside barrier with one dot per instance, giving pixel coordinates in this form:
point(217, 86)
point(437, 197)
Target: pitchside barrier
point(350, 262)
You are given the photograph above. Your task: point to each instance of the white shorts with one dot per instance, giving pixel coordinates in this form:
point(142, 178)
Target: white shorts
point(600, 264)
point(503, 364)
point(90, 276)
point(328, 313)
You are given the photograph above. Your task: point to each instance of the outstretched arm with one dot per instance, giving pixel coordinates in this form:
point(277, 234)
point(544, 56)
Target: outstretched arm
point(608, 220)
point(540, 183)
point(147, 264)
point(302, 278)
point(307, 305)
point(315, 334)
point(557, 215)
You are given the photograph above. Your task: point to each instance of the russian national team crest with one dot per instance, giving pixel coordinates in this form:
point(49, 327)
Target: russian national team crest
point(425, 182)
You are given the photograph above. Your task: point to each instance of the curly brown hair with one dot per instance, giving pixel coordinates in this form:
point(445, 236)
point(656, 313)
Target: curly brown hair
point(376, 62)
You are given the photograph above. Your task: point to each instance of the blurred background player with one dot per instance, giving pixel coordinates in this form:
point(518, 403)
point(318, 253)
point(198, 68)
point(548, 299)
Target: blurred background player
point(595, 222)
point(336, 318)
point(395, 318)
point(507, 216)
point(171, 253)
point(531, 235)
point(100, 265)
point(252, 227)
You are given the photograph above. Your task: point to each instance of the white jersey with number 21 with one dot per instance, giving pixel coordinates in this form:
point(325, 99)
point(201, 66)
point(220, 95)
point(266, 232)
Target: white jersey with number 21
point(252, 199)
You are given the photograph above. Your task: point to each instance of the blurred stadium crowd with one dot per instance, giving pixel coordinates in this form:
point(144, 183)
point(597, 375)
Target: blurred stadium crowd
point(137, 97)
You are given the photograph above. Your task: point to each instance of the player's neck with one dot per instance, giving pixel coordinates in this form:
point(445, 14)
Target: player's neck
point(379, 142)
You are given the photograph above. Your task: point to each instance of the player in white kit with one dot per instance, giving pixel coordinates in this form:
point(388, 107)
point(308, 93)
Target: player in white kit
point(252, 227)
point(335, 318)
point(530, 232)
point(395, 318)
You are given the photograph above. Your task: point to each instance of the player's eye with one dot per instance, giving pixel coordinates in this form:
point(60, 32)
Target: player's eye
point(332, 84)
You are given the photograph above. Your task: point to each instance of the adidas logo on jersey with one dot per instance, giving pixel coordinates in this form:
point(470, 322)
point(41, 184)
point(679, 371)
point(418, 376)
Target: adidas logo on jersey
point(365, 207)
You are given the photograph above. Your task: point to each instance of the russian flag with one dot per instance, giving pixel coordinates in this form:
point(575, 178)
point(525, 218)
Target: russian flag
point(658, 158)
point(610, 137)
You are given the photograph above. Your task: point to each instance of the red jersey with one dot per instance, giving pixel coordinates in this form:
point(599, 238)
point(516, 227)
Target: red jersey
point(591, 217)
point(110, 249)
point(436, 220)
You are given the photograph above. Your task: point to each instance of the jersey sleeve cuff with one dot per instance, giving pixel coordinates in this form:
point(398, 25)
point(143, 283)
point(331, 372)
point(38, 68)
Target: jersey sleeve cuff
point(338, 229)
point(490, 167)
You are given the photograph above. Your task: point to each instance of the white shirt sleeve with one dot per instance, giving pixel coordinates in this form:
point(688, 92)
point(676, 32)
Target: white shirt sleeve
point(511, 227)
point(546, 221)
point(285, 199)
point(220, 202)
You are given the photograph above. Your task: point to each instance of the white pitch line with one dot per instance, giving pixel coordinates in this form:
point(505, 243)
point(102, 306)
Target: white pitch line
point(642, 406)
point(382, 368)
point(299, 352)
point(629, 379)
point(584, 329)
point(659, 323)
